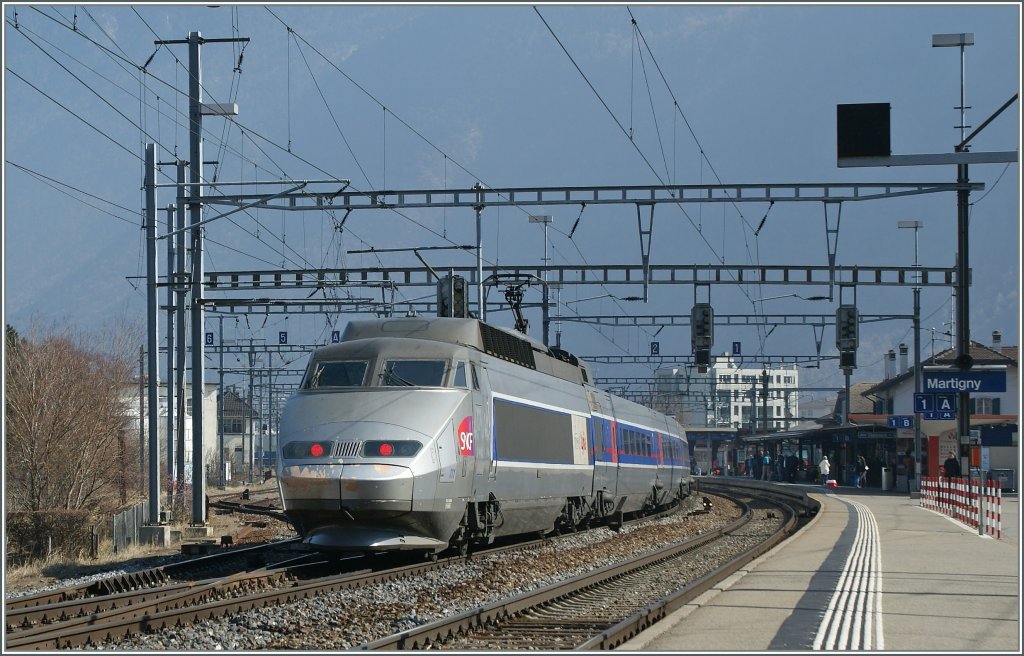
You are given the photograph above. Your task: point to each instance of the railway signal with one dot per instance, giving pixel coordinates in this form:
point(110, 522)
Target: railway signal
point(451, 297)
point(846, 336)
point(702, 334)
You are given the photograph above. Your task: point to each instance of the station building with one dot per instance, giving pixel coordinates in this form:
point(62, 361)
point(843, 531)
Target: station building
point(864, 429)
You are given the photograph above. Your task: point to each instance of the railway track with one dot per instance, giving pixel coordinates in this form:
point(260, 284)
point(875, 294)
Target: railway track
point(78, 619)
point(603, 609)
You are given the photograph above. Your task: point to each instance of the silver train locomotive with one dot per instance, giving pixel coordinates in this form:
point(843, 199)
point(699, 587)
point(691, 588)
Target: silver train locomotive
point(424, 434)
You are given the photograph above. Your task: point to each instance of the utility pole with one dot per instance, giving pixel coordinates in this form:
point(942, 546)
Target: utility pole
point(142, 420)
point(170, 356)
point(220, 409)
point(152, 328)
point(181, 290)
point(195, 120)
point(196, 110)
point(546, 321)
point(915, 226)
point(481, 309)
point(764, 399)
point(251, 461)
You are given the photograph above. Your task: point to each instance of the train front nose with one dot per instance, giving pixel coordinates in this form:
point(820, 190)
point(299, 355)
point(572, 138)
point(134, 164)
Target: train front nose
point(350, 473)
point(357, 489)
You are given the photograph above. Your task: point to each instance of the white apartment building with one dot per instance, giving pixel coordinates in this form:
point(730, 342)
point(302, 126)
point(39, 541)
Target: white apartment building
point(730, 396)
point(133, 402)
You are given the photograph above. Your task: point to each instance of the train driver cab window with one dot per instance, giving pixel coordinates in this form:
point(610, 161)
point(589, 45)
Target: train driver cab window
point(335, 374)
point(413, 373)
point(460, 375)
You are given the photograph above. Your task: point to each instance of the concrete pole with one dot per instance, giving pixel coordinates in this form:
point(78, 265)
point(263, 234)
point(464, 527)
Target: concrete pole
point(170, 351)
point(153, 411)
point(220, 410)
point(963, 358)
point(181, 291)
point(195, 93)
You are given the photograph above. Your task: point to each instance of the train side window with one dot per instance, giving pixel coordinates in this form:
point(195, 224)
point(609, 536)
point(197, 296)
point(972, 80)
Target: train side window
point(476, 381)
point(460, 374)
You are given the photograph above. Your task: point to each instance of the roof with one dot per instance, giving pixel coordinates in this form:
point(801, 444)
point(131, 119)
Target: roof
point(236, 406)
point(983, 355)
point(859, 403)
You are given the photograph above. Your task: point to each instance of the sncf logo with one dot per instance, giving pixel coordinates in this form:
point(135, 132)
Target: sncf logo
point(466, 437)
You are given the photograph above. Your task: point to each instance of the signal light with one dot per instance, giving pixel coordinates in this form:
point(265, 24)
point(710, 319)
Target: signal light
point(452, 297)
point(702, 326)
point(846, 328)
point(316, 450)
point(386, 449)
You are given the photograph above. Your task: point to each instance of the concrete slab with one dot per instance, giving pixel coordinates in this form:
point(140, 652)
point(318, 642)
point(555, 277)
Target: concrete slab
point(158, 535)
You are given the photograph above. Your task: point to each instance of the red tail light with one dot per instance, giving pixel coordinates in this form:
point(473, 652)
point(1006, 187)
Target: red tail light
point(386, 449)
point(316, 450)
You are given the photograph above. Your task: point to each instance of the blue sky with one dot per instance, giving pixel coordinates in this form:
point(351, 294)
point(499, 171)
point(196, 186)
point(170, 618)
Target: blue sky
point(414, 97)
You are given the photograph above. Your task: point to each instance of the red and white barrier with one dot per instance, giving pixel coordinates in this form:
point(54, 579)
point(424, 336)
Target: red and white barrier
point(973, 503)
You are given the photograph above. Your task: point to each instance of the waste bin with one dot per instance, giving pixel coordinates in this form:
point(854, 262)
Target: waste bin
point(1005, 477)
point(888, 478)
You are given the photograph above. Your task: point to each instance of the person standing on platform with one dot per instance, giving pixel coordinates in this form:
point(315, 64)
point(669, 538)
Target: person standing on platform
point(952, 466)
point(766, 467)
point(824, 467)
point(862, 471)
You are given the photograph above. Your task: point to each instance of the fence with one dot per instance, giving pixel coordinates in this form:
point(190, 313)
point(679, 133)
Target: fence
point(977, 504)
point(126, 526)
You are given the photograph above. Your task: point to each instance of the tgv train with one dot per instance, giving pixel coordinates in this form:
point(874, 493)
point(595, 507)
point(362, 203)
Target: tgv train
point(424, 434)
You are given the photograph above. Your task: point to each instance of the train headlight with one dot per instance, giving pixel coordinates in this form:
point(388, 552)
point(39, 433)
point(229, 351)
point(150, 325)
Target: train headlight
point(391, 448)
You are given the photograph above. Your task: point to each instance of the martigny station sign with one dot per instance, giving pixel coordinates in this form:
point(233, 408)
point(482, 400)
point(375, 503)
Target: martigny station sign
point(938, 381)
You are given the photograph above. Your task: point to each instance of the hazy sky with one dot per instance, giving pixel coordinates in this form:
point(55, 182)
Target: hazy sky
point(430, 97)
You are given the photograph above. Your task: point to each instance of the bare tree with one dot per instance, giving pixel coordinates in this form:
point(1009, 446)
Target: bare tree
point(65, 422)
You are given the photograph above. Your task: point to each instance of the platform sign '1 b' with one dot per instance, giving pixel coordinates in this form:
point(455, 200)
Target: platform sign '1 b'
point(736, 348)
point(900, 421)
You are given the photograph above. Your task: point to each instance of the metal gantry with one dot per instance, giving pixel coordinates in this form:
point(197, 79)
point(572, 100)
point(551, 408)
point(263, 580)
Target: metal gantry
point(268, 290)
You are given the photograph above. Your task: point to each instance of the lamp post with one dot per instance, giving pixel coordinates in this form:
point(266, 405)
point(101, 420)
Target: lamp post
point(963, 329)
point(915, 226)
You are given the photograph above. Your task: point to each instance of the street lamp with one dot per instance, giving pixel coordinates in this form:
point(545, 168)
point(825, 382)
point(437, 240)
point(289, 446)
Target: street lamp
point(915, 226)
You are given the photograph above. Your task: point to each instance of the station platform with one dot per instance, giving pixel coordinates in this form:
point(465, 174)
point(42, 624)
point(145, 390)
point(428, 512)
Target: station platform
point(872, 571)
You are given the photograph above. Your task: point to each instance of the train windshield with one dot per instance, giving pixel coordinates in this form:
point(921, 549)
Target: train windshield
point(413, 373)
point(336, 374)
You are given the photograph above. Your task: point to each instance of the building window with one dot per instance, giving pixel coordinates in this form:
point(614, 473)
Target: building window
point(985, 406)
